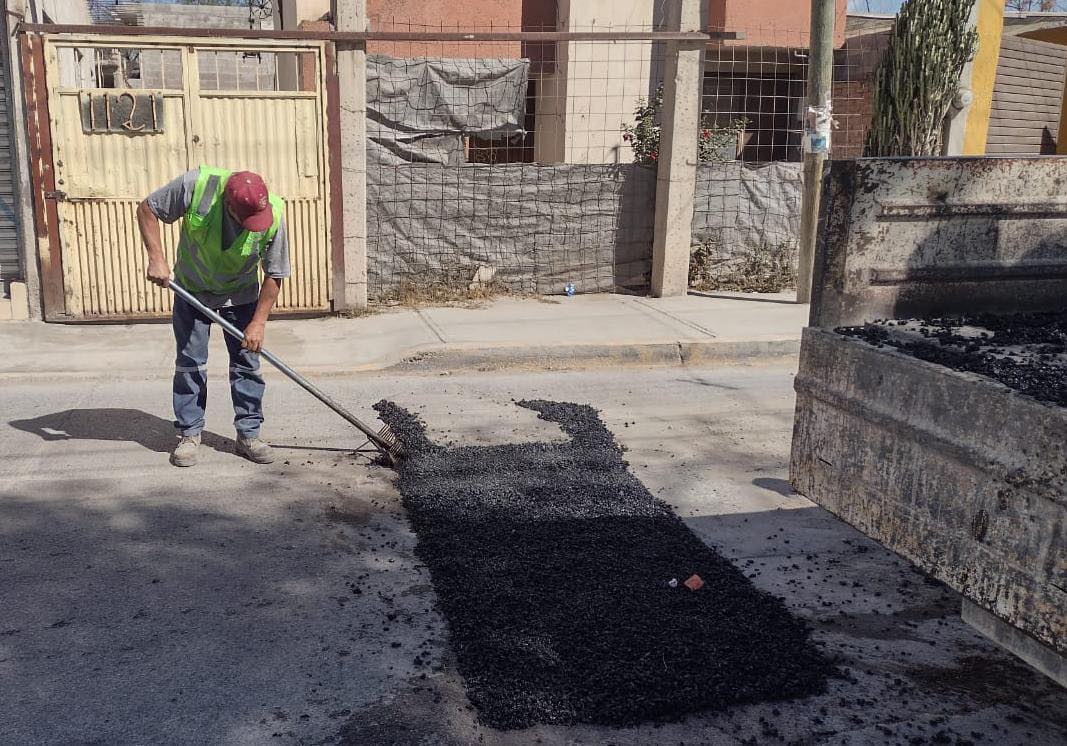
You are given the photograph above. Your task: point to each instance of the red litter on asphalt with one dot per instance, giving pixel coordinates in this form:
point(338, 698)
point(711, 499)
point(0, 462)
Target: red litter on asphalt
point(694, 583)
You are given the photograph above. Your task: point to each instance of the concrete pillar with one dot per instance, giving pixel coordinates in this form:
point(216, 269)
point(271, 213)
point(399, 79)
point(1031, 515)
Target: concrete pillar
point(20, 306)
point(285, 18)
point(21, 167)
point(594, 83)
point(350, 280)
point(676, 178)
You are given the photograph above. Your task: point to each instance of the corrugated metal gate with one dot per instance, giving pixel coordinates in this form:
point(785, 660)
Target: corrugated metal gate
point(10, 259)
point(126, 119)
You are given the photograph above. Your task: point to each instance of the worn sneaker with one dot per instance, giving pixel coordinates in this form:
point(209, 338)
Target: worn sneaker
point(255, 450)
point(185, 452)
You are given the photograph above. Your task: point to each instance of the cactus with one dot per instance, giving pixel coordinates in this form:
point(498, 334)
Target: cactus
point(918, 78)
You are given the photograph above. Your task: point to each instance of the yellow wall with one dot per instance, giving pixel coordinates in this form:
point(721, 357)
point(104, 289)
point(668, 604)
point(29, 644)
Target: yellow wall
point(984, 75)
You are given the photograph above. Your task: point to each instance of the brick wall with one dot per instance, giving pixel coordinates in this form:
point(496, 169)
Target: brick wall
point(771, 23)
point(307, 66)
point(853, 92)
point(852, 110)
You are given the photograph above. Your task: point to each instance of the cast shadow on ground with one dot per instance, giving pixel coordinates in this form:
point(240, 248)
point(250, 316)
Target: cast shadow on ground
point(964, 266)
point(781, 486)
point(135, 615)
point(699, 381)
point(114, 424)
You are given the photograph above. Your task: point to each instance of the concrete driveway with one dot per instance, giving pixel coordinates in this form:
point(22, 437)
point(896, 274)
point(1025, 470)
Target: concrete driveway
point(238, 604)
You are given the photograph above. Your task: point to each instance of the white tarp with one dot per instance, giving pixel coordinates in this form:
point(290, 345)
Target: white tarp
point(419, 109)
point(536, 228)
point(532, 228)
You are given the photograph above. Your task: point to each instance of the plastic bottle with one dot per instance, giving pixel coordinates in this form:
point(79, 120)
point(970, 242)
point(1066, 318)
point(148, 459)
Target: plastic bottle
point(569, 289)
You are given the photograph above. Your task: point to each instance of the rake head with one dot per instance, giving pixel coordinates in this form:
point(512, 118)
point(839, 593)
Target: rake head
point(389, 445)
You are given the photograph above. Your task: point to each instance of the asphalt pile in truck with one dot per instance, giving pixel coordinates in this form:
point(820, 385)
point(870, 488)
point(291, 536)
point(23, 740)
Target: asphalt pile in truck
point(1027, 352)
point(573, 596)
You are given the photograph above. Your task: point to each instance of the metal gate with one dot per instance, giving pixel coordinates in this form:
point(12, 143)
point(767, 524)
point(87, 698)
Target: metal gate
point(10, 259)
point(127, 118)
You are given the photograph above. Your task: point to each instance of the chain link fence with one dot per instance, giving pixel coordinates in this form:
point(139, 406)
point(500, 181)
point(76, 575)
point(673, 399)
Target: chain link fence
point(747, 211)
point(527, 166)
point(502, 166)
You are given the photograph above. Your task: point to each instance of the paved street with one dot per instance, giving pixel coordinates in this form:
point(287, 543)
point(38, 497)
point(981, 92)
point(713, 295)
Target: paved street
point(240, 604)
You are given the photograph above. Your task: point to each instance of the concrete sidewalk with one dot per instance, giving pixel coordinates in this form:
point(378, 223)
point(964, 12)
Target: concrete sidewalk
point(505, 333)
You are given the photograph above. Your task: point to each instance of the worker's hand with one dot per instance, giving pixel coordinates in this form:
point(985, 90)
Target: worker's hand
point(158, 272)
point(254, 332)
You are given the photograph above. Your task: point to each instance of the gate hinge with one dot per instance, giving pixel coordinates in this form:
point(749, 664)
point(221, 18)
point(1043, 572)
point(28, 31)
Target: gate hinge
point(55, 194)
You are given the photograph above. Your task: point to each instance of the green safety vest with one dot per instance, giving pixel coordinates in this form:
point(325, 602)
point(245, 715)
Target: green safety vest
point(204, 265)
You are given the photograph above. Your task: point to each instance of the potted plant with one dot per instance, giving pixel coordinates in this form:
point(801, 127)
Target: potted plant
point(718, 143)
point(721, 143)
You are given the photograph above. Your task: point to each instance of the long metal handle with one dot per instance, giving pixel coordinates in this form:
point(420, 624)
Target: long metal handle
point(233, 331)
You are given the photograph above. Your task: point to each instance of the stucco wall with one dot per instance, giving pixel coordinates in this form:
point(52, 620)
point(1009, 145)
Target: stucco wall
point(445, 15)
point(294, 12)
point(770, 23)
point(596, 86)
point(983, 74)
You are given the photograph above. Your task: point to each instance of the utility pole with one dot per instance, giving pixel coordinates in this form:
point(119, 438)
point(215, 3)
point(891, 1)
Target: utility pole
point(817, 125)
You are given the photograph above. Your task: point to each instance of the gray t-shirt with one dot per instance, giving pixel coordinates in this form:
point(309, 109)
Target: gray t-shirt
point(170, 203)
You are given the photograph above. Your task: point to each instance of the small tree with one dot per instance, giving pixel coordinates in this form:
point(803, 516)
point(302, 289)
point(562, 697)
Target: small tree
point(644, 134)
point(918, 77)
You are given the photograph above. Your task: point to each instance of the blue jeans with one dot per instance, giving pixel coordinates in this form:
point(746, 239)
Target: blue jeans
point(191, 332)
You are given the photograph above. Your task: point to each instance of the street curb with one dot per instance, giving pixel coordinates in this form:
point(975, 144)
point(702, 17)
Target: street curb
point(725, 352)
point(439, 359)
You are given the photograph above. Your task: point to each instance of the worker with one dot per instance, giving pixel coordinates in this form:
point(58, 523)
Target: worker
point(231, 225)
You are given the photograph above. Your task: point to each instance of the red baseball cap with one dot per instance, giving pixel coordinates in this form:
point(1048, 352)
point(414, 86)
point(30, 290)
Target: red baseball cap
point(247, 197)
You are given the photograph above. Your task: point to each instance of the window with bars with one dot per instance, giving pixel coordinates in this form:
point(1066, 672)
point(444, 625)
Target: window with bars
point(260, 71)
point(769, 104)
point(120, 68)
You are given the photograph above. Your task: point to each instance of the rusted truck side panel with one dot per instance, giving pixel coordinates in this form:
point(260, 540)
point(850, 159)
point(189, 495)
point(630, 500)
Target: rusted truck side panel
point(913, 236)
point(960, 475)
